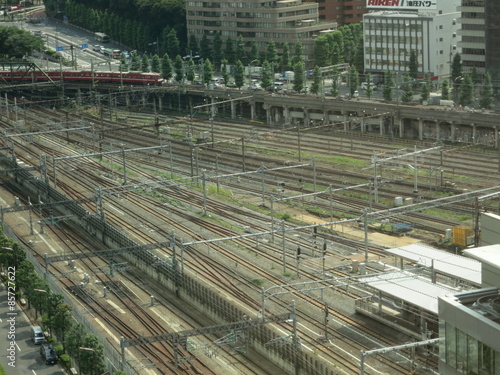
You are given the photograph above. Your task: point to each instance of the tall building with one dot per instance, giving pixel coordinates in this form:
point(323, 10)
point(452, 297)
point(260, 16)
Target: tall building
point(394, 29)
point(281, 21)
point(480, 36)
point(342, 11)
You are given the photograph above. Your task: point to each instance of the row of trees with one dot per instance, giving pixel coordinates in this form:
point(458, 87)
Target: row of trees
point(56, 316)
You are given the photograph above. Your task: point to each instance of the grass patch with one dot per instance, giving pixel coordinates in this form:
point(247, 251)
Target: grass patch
point(258, 282)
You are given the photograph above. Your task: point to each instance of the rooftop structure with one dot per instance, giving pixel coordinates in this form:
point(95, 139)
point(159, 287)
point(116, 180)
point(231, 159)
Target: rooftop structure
point(469, 322)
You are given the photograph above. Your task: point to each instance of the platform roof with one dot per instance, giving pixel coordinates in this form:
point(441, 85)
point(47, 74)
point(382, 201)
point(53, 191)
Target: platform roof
point(411, 288)
point(445, 263)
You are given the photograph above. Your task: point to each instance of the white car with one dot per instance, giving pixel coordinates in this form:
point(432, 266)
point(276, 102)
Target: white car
point(96, 48)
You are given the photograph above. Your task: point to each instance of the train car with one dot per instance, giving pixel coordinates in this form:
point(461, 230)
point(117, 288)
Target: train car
point(130, 78)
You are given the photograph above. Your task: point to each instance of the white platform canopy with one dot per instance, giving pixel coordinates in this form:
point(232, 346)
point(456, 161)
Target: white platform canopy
point(445, 263)
point(410, 288)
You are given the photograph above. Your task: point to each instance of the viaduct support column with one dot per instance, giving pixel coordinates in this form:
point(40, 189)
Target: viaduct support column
point(127, 100)
point(160, 102)
point(495, 129)
point(252, 110)
point(382, 125)
point(401, 127)
point(144, 99)
point(277, 115)
point(307, 123)
point(212, 107)
point(438, 131)
point(474, 134)
point(420, 130)
point(286, 115)
point(326, 117)
point(452, 131)
point(233, 110)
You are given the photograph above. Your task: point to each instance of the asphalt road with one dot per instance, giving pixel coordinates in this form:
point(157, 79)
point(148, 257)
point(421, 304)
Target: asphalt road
point(19, 355)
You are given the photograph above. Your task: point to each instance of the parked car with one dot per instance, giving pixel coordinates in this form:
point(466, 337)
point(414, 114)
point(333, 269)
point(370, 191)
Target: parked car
point(96, 48)
point(127, 54)
point(231, 84)
point(48, 354)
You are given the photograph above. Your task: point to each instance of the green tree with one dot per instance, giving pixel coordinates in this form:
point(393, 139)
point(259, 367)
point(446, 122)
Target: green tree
point(426, 88)
point(145, 63)
point(334, 91)
point(272, 55)
point(123, 63)
point(369, 86)
point(166, 67)
point(353, 80)
point(413, 65)
point(466, 91)
point(486, 94)
point(388, 86)
point(92, 358)
point(16, 42)
point(193, 45)
point(11, 254)
point(316, 81)
point(229, 54)
point(217, 50)
point(135, 62)
point(445, 91)
point(239, 74)
point(240, 50)
point(299, 76)
point(205, 48)
point(285, 58)
point(225, 71)
point(62, 320)
point(190, 71)
point(179, 69)
point(267, 78)
point(155, 64)
point(298, 54)
point(322, 53)
point(74, 340)
point(408, 89)
point(253, 54)
point(208, 72)
point(172, 43)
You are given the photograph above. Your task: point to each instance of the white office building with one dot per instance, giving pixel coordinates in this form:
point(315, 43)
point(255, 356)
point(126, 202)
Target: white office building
point(393, 29)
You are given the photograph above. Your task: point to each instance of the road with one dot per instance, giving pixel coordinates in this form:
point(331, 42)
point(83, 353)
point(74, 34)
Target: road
point(15, 333)
point(58, 34)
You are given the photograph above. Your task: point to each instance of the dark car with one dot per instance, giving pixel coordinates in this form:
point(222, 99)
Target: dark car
point(48, 354)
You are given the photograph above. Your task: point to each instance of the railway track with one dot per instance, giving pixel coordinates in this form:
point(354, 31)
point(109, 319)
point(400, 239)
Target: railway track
point(196, 203)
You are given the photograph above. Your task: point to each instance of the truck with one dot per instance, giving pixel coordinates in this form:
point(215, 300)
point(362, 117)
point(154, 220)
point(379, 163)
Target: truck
point(289, 75)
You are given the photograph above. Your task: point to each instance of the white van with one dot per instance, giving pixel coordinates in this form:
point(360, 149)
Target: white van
point(37, 335)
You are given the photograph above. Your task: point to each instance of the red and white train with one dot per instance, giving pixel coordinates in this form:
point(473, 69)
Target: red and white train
point(129, 78)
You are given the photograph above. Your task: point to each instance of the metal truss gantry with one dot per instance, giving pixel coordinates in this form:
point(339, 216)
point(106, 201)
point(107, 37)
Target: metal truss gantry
point(235, 331)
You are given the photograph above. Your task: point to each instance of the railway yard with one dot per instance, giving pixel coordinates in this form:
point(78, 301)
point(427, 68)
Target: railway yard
point(244, 208)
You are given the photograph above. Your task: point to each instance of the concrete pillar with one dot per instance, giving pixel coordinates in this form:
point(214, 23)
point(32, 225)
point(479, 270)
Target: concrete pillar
point(474, 133)
point(127, 99)
point(277, 115)
point(160, 103)
point(401, 126)
point(326, 115)
point(212, 107)
point(437, 130)
point(495, 129)
point(452, 131)
point(346, 121)
point(286, 114)
point(420, 130)
point(144, 99)
point(382, 125)
point(252, 111)
point(306, 117)
point(269, 118)
point(233, 109)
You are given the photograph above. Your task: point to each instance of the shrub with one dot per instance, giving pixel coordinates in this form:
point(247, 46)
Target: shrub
point(65, 360)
